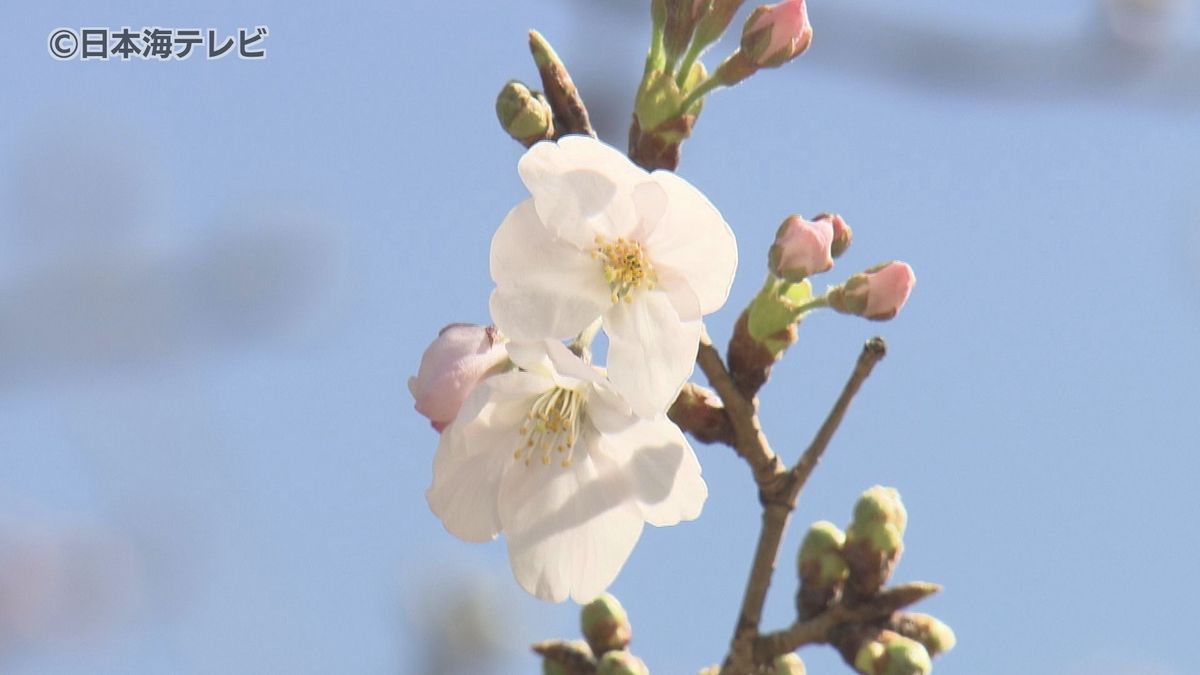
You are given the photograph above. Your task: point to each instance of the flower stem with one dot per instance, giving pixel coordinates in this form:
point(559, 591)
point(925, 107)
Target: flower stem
point(655, 58)
point(709, 84)
point(689, 59)
point(815, 303)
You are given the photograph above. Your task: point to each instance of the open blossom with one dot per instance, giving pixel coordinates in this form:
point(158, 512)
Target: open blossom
point(600, 237)
point(461, 356)
point(552, 456)
point(802, 248)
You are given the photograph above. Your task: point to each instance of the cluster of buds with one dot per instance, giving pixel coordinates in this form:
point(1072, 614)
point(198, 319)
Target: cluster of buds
point(852, 568)
point(605, 649)
point(675, 82)
point(804, 248)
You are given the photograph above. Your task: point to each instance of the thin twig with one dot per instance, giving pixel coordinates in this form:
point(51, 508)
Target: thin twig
point(779, 499)
point(817, 629)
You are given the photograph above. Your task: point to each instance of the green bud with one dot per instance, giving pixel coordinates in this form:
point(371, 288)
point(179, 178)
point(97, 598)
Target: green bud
point(605, 624)
point(621, 662)
point(788, 664)
point(892, 654)
point(881, 505)
point(936, 636)
point(906, 657)
point(523, 114)
point(552, 667)
point(820, 558)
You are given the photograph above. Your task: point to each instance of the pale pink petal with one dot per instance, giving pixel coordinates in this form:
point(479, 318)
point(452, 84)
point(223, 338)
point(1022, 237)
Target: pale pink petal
point(663, 471)
point(473, 453)
point(651, 351)
point(545, 289)
point(581, 188)
point(693, 242)
point(569, 530)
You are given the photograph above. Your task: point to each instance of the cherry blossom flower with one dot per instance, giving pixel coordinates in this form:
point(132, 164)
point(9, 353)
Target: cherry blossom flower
point(600, 237)
point(461, 356)
point(552, 456)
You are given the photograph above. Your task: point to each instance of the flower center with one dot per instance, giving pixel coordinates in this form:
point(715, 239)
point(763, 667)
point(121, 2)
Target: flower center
point(626, 267)
point(552, 425)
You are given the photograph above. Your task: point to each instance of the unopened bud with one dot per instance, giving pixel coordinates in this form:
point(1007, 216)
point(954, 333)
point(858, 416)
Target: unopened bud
point(459, 359)
point(874, 541)
point(715, 17)
point(621, 662)
point(605, 625)
point(877, 294)
point(822, 569)
point(681, 18)
point(776, 34)
point(842, 234)
point(788, 664)
point(881, 504)
point(892, 654)
point(802, 248)
point(936, 636)
point(524, 115)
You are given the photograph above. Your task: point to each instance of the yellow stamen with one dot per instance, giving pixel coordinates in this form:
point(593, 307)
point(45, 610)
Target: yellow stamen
point(626, 268)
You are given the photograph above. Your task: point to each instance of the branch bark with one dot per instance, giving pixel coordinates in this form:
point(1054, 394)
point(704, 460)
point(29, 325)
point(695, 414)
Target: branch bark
point(817, 629)
point(779, 491)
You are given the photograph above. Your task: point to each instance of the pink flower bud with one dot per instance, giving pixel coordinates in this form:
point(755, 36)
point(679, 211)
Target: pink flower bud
point(877, 294)
point(802, 248)
point(462, 355)
point(842, 234)
point(888, 287)
point(776, 34)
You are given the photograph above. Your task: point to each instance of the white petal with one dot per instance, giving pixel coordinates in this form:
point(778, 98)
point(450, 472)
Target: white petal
point(693, 242)
point(545, 288)
point(569, 531)
point(581, 187)
point(651, 351)
point(662, 469)
point(473, 453)
point(552, 359)
point(607, 410)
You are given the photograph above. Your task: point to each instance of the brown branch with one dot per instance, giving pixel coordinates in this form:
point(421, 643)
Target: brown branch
point(779, 496)
point(748, 438)
point(819, 628)
point(569, 112)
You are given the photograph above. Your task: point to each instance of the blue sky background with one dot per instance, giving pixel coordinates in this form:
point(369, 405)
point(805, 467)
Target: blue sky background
point(216, 277)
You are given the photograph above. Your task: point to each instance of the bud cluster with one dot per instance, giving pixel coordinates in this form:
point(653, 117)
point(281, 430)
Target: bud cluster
point(675, 82)
point(852, 568)
point(605, 627)
point(804, 248)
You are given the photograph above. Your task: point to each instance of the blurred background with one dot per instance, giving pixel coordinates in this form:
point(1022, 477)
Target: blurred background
point(216, 277)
